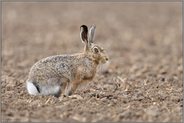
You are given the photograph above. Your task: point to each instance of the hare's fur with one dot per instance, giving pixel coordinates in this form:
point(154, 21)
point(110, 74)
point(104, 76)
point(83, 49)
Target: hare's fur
point(59, 74)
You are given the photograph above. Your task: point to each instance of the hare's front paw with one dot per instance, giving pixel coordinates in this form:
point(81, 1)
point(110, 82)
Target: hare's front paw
point(70, 88)
point(68, 91)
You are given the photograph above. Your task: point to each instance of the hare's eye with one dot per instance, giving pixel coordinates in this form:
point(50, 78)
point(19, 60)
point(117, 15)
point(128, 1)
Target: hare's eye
point(95, 49)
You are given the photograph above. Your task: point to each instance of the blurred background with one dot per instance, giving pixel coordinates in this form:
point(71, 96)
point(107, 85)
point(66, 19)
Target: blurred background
point(143, 41)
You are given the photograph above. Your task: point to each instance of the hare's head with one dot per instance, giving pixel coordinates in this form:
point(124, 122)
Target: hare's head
point(96, 52)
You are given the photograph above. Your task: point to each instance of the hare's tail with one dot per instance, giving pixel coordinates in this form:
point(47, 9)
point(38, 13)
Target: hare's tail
point(32, 88)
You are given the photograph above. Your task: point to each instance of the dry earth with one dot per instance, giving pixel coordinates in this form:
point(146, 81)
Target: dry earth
point(143, 81)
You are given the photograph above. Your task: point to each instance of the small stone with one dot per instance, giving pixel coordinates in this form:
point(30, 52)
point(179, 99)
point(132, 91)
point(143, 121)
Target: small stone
point(76, 97)
point(79, 118)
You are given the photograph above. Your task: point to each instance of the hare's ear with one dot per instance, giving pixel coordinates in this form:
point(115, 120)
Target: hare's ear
point(84, 34)
point(91, 34)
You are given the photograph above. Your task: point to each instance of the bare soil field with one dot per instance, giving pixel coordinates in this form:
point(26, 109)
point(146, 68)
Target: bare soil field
point(143, 81)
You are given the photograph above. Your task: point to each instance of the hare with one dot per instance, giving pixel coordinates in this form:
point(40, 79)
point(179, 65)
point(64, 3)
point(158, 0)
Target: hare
point(62, 74)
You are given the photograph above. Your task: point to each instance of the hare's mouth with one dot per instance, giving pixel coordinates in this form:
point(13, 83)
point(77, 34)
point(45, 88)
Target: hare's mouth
point(104, 67)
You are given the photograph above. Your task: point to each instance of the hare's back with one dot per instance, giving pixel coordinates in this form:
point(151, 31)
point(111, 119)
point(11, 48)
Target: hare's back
point(57, 58)
point(52, 66)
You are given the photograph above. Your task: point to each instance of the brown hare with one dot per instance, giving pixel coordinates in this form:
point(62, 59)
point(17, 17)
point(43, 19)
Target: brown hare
point(61, 74)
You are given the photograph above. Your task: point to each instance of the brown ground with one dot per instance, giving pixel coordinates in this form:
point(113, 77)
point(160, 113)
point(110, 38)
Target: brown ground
point(143, 40)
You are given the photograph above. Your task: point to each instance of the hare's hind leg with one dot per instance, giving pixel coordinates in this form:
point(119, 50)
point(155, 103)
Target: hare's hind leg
point(62, 85)
point(51, 87)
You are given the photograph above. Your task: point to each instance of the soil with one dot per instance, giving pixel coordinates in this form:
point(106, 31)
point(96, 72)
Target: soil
point(143, 81)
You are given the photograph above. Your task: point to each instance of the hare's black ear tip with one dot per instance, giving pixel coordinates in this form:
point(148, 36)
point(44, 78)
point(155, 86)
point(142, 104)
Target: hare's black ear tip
point(83, 26)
